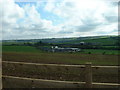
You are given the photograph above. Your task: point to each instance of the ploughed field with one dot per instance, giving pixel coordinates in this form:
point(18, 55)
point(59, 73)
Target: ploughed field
point(61, 58)
point(60, 73)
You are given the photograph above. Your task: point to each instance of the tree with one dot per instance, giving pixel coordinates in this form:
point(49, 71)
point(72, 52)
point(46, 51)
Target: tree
point(40, 43)
point(27, 44)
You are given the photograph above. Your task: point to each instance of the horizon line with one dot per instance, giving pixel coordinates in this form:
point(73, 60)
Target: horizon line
point(57, 37)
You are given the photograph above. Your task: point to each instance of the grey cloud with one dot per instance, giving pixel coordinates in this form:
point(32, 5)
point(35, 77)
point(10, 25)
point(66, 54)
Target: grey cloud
point(85, 28)
point(69, 4)
point(34, 29)
point(115, 30)
point(111, 19)
point(89, 25)
point(25, 35)
point(115, 3)
point(65, 32)
point(90, 21)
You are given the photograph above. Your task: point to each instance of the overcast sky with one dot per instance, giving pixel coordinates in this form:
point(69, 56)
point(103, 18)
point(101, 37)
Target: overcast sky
point(58, 18)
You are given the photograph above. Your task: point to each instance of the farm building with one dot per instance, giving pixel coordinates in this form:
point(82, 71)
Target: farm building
point(58, 49)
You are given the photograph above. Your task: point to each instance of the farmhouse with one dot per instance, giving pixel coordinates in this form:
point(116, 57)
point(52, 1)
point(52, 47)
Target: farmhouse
point(58, 49)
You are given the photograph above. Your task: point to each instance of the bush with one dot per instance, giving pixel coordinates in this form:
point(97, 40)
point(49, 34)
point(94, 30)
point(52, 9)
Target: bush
point(89, 52)
point(104, 53)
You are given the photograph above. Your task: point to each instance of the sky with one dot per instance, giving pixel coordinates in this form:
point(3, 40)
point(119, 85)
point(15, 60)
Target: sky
point(36, 19)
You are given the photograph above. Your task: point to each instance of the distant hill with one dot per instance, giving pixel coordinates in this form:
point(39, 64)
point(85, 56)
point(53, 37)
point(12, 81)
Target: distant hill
point(103, 40)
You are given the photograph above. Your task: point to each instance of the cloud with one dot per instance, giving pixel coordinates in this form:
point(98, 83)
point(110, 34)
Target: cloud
point(23, 22)
point(82, 16)
point(75, 17)
point(10, 13)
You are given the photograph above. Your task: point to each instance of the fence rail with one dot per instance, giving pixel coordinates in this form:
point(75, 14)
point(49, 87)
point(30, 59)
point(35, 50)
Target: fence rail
point(62, 65)
point(88, 76)
point(0, 73)
point(38, 83)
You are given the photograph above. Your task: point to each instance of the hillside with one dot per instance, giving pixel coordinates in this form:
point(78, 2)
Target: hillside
point(102, 40)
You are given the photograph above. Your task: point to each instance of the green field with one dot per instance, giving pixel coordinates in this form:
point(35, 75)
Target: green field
point(34, 50)
point(101, 41)
point(20, 49)
point(100, 51)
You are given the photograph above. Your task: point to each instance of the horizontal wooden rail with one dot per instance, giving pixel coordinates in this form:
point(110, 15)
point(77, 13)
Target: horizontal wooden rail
point(111, 84)
point(41, 79)
point(56, 81)
point(63, 65)
point(22, 82)
point(105, 66)
point(44, 64)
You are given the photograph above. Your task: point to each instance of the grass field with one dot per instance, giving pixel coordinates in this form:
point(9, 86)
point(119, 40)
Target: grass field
point(101, 41)
point(34, 50)
point(19, 49)
point(100, 51)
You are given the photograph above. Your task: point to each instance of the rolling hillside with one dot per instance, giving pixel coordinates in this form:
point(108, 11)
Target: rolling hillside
point(103, 40)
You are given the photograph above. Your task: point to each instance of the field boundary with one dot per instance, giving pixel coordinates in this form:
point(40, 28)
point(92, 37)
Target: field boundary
point(88, 76)
point(62, 65)
point(41, 79)
point(57, 81)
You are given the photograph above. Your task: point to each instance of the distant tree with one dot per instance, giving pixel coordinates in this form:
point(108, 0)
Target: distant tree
point(51, 44)
point(89, 52)
point(103, 53)
point(117, 43)
point(40, 43)
point(27, 44)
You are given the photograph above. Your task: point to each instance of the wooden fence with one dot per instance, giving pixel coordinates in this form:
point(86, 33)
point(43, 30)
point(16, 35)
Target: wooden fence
point(54, 83)
point(0, 74)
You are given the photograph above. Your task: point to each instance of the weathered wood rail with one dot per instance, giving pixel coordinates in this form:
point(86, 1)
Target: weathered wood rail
point(22, 82)
point(54, 83)
point(62, 65)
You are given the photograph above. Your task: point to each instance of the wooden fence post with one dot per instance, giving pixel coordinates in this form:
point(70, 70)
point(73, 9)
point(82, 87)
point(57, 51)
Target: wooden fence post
point(0, 73)
point(88, 75)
